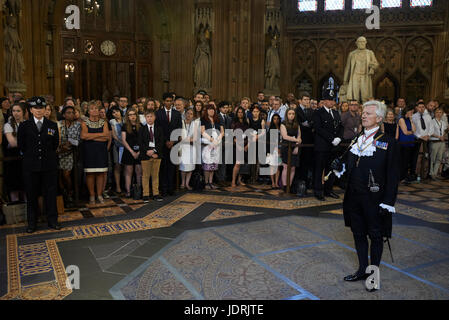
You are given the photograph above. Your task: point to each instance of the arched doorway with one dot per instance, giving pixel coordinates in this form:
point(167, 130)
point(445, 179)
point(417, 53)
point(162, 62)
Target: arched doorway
point(333, 82)
point(303, 84)
point(387, 88)
point(417, 87)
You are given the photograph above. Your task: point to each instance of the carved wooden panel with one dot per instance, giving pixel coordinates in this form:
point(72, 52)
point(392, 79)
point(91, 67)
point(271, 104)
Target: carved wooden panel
point(126, 49)
point(419, 57)
point(144, 50)
point(389, 56)
point(304, 58)
point(331, 58)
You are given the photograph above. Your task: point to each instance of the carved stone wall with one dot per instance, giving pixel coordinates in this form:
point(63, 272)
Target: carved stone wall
point(159, 39)
point(406, 46)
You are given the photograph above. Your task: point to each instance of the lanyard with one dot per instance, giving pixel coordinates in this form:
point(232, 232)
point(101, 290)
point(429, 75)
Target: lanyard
point(440, 126)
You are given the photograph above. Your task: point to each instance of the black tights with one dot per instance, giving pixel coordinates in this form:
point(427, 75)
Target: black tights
point(361, 245)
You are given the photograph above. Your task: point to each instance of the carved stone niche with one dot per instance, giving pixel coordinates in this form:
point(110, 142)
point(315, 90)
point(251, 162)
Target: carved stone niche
point(304, 58)
point(419, 57)
point(331, 58)
point(389, 56)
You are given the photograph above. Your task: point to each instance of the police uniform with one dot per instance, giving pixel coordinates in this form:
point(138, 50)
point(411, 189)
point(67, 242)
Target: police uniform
point(328, 135)
point(372, 173)
point(38, 148)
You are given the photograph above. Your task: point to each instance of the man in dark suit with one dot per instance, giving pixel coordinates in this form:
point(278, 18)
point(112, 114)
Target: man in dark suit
point(372, 170)
point(226, 121)
point(328, 135)
point(38, 140)
point(304, 114)
point(151, 142)
point(168, 119)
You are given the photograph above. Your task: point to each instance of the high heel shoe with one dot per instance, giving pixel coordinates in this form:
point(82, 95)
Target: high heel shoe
point(101, 199)
point(91, 200)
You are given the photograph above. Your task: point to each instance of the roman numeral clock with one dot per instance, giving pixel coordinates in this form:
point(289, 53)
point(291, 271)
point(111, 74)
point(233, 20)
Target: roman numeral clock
point(108, 48)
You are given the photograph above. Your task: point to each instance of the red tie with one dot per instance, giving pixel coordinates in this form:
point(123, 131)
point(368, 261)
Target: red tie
point(151, 134)
point(168, 116)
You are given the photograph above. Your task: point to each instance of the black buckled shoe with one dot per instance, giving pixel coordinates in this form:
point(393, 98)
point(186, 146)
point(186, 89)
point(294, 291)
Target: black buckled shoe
point(31, 229)
point(56, 226)
point(320, 197)
point(356, 277)
point(333, 195)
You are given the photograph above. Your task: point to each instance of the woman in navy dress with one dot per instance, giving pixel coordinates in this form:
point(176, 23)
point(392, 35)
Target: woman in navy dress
point(95, 136)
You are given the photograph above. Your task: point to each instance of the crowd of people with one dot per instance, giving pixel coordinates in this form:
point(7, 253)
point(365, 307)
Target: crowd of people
point(122, 148)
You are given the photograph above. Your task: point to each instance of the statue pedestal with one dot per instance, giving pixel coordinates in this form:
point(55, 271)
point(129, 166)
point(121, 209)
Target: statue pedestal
point(272, 92)
point(16, 87)
point(209, 90)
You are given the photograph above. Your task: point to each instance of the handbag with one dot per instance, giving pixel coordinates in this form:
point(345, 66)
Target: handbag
point(136, 192)
point(245, 169)
point(197, 181)
point(15, 213)
point(301, 190)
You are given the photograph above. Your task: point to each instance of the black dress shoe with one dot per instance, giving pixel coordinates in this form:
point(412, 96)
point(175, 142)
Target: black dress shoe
point(333, 195)
point(55, 226)
point(31, 229)
point(320, 197)
point(356, 277)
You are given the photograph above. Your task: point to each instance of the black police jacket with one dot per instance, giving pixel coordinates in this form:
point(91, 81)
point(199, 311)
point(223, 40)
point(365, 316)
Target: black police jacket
point(38, 148)
point(326, 129)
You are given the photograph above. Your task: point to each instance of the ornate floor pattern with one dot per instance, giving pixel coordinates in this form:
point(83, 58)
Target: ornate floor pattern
point(224, 244)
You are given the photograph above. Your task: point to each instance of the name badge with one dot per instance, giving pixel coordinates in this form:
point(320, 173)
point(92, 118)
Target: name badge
point(152, 145)
point(51, 132)
point(381, 145)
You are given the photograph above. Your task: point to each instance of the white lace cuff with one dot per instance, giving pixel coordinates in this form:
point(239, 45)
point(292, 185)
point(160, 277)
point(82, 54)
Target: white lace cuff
point(341, 173)
point(389, 208)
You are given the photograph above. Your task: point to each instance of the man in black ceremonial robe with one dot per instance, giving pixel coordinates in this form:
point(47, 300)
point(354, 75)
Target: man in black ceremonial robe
point(38, 140)
point(372, 170)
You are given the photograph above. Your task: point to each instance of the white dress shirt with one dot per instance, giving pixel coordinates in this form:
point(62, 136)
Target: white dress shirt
point(36, 120)
point(417, 121)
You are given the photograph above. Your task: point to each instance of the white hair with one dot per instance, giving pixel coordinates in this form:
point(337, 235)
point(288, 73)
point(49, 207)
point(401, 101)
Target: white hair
point(381, 108)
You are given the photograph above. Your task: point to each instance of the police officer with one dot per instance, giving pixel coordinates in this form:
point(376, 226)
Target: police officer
point(372, 169)
point(38, 139)
point(328, 135)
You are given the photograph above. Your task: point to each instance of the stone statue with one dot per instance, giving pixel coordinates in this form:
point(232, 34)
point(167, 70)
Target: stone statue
point(272, 67)
point(202, 64)
point(14, 63)
point(15, 6)
point(359, 71)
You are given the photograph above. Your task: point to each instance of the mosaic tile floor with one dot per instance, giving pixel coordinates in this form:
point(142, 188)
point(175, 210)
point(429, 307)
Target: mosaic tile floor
point(250, 243)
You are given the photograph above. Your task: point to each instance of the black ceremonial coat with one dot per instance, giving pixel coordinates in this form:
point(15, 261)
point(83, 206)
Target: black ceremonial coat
point(384, 165)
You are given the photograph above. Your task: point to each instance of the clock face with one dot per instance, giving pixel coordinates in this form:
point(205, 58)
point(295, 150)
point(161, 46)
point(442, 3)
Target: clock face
point(108, 48)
